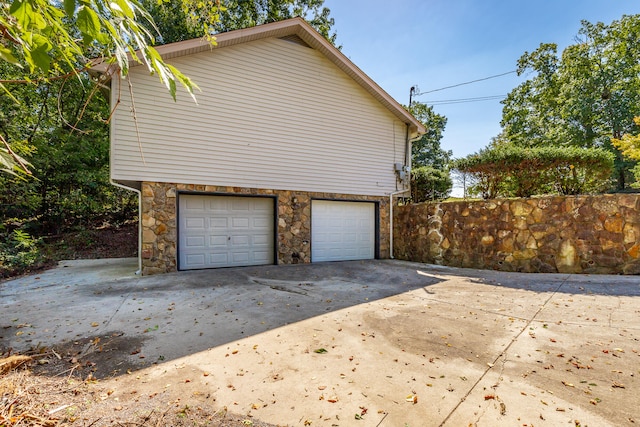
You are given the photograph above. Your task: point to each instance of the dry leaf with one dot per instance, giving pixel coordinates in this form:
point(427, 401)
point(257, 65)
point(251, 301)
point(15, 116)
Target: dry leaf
point(412, 398)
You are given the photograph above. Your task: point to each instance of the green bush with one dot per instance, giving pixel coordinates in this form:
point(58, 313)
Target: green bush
point(18, 252)
point(513, 171)
point(429, 183)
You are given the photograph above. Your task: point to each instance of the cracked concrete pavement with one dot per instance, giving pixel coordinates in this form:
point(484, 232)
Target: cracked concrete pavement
point(380, 343)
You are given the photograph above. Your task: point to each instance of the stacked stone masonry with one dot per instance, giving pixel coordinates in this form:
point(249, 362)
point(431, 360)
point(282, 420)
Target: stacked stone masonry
point(581, 234)
point(159, 224)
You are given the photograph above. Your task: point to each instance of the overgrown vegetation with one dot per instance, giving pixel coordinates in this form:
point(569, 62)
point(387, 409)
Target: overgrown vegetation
point(60, 127)
point(511, 171)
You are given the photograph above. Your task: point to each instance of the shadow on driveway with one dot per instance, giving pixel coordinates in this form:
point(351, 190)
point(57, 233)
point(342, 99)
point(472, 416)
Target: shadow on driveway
point(98, 314)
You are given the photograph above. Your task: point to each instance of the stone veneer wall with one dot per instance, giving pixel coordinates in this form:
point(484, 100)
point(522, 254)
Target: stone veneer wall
point(159, 226)
point(580, 234)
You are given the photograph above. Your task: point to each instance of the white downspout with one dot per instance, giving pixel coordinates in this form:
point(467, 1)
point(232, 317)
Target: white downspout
point(391, 195)
point(112, 182)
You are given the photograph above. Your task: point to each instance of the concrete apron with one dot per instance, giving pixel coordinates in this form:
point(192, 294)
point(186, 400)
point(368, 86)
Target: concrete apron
point(376, 343)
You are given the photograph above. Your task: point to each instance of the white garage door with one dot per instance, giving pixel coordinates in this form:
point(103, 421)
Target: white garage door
point(342, 230)
point(225, 231)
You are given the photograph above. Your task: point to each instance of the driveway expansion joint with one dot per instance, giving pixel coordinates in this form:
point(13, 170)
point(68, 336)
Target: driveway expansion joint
point(503, 354)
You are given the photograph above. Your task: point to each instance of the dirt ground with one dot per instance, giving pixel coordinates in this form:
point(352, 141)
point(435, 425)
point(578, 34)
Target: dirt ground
point(57, 389)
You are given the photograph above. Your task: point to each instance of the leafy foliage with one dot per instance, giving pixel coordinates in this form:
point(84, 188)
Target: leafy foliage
point(60, 126)
point(18, 251)
point(583, 97)
point(429, 183)
point(430, 178)
point(189, 19)
point(53, 39)
point(426, 151)
point(508, 170)
point(629, 145)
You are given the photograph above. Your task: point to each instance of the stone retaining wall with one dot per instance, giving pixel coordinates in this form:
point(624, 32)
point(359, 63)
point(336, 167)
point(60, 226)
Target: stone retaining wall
point(581, 234)
point(159, 226)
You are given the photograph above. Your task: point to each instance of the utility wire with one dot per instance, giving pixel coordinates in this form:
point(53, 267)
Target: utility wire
point(465, 83)
point(464, 100)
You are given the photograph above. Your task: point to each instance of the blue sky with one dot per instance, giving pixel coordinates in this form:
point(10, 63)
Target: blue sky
point(440, 43)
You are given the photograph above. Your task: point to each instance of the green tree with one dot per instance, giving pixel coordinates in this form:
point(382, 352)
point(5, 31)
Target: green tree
point(585, 97)
point(629, 145)
point(190, 19)
point(69, 158)
point(427, 151)
point(430, 178)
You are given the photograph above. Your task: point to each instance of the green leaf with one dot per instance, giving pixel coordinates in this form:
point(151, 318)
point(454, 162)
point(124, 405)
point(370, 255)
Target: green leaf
point(39, 52)
point(124, 7)
point(70, 7)
point(88, 23)
point(7, 55)
point(22, 11)
point(320, 351)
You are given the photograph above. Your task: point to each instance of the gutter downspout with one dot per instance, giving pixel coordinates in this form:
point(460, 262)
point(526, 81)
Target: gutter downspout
point(112, 182)
point(391, 195)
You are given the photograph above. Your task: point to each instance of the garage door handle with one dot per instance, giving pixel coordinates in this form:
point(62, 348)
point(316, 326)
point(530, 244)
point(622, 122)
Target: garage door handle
point(228, 237)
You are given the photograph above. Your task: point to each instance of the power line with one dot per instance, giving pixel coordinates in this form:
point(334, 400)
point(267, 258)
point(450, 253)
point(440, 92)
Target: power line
point(465, 100)
point(465, 83)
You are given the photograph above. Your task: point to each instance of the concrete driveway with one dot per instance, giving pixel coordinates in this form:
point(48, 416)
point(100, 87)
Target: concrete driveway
point(371, 343)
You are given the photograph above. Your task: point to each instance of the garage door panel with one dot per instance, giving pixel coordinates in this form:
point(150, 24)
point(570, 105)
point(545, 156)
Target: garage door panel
point(262, 223)
point(241, 204)
point(262, 240)
point(241, 223)
point(222, 231)
point(264, 256)
point(342, 230)
point(195, 222)
point(197, 259)
point(240, 257)
point(218, 259)
point(195, 242)
point(239, 241)
point(195, 204)
point(221, 223)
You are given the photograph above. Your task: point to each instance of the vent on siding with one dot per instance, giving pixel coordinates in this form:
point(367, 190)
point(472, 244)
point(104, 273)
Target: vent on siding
point(295, 39)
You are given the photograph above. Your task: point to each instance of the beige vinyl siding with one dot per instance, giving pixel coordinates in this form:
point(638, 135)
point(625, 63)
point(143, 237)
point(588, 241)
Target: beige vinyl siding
point(271, 114)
